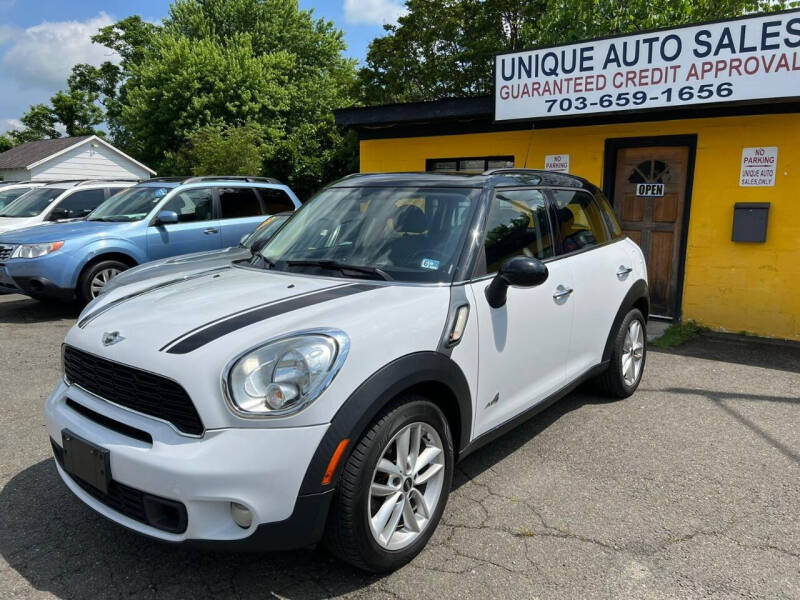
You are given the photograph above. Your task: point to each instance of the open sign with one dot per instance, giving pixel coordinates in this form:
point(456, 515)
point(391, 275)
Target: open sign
point(650, 190)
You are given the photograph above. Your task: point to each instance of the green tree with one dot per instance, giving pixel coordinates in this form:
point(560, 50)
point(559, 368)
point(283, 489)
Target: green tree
point(241, 62)
point(39, 124)
point(6, 142)
point(129, 39)
point(445, 48)
point(220, 149)
point(77, 112)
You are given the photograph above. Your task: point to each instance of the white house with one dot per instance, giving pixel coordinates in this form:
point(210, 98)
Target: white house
point(82, 157)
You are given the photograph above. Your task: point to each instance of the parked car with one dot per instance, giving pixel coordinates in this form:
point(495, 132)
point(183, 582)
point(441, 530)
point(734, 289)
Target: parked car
point(10, 191)
point(327, 388)
point(153, 220)
point(186, 264)
point(58, 201)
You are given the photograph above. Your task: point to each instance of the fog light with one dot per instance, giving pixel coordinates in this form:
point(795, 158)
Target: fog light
point(241, 515)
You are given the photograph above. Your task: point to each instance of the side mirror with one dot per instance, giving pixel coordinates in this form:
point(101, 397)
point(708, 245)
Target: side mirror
point(58, 214)
point(520, 271)
point(167, 217)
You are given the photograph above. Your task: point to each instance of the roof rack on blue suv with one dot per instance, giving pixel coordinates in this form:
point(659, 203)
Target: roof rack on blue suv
point(155, 219)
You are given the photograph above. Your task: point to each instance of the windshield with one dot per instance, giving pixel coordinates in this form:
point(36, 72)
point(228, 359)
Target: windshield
point(132, 204)
point(8, 196)
point(31, 204)
point(265, 230)
point(399, 233)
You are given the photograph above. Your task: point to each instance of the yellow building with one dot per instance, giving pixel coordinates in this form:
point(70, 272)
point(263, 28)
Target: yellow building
point(702, 172)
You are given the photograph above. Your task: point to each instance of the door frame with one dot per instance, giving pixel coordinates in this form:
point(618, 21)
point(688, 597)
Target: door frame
point(612, 147)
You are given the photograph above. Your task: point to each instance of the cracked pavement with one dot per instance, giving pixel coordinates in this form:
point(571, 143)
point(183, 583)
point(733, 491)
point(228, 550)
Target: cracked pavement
point(689, 489)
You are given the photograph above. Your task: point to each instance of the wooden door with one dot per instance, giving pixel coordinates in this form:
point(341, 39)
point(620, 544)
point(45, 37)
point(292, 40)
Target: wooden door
point(652, 215)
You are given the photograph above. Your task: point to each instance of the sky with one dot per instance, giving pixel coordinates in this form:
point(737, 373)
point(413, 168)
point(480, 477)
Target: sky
point(40, 40)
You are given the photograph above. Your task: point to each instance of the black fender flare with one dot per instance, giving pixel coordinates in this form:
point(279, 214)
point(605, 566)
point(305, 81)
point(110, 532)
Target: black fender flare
point(638, 292)
point(364, 404)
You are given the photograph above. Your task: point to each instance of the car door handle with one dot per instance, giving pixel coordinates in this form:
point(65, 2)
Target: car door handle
point(211, 230)
point(623, 271)
point(562, 293)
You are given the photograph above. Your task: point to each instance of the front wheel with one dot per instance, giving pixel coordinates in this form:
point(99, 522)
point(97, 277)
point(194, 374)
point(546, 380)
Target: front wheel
point(393, 488)
point(96, 277)
point(628, 356)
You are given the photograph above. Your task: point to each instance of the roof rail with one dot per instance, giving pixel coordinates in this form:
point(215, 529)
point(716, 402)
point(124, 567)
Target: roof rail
point(247, 178)
point(113, 180)
point(511, 170)
point(173, 179)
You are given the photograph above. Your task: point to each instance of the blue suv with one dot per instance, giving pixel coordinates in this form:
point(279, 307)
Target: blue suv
point(155, 219)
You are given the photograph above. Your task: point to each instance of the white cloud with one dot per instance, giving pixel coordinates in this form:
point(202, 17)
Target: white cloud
point(10, 124)
point(8, 34)
point(42, 56)
point(373, 12)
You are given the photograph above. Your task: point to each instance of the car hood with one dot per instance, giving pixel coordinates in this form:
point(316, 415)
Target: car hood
point(53, 232)
point(188, 328)
point(184, 264)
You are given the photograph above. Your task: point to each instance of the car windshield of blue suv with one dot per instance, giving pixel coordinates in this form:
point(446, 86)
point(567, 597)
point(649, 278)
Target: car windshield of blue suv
point(31, 204)
point(133, 204)
point(408, 234)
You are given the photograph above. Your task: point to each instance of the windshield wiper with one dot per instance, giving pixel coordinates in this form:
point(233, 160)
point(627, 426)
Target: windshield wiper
point(260, 258)
point(337, 266)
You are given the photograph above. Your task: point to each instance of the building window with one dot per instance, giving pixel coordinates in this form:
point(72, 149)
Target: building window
point(469, 165)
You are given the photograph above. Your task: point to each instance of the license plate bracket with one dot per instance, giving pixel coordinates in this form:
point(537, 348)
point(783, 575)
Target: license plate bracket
point(86, 461)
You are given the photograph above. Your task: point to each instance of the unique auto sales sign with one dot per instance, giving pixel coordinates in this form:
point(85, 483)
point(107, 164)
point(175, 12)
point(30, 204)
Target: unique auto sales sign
point(746, 59)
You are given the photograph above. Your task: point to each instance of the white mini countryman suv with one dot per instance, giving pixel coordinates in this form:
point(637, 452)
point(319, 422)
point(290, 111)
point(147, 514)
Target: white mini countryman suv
point(324, 389)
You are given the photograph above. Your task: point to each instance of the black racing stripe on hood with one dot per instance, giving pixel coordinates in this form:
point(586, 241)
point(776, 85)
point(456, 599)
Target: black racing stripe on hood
point(89, 317)
point(216, 330)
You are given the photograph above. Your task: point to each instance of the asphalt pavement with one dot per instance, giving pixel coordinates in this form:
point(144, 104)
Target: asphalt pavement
point(688, 489)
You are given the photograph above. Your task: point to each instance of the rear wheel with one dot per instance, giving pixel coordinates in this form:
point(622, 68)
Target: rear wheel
point(628, 356)
point(96, 277)
point(393, 487)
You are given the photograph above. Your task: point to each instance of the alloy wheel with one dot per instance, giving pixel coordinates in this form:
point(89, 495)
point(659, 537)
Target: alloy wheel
point(101, 279)
point(406, 486)
point(633, 353)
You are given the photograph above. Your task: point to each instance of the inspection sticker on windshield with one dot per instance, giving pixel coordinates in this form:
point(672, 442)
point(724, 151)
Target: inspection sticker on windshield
point(161, 192)
point(429, 263)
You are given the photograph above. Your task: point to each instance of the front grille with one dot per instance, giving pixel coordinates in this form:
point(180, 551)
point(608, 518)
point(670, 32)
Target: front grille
point(132, 388)
point(5, 252)
point(167, 515)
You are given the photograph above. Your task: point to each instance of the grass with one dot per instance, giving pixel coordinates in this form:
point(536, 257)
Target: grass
point(679, 333)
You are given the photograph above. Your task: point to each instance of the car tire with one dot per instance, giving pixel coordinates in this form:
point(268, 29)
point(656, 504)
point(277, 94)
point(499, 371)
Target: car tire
point(89, 279)
point(351, 533)
point(628, 356)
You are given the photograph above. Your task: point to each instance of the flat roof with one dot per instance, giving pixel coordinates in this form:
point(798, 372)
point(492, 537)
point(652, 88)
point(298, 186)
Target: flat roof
point(452, 116)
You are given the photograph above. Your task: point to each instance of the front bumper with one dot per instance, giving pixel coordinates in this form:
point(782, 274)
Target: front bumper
point(261, 469)
point(32, 285)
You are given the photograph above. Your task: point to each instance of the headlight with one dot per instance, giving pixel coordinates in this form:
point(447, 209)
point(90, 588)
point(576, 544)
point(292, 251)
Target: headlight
point(36, 250)
point(285, 376)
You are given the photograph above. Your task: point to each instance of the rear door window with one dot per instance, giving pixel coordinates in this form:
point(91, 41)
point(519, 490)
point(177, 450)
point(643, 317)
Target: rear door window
point(239, 202)
point(579, 220)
